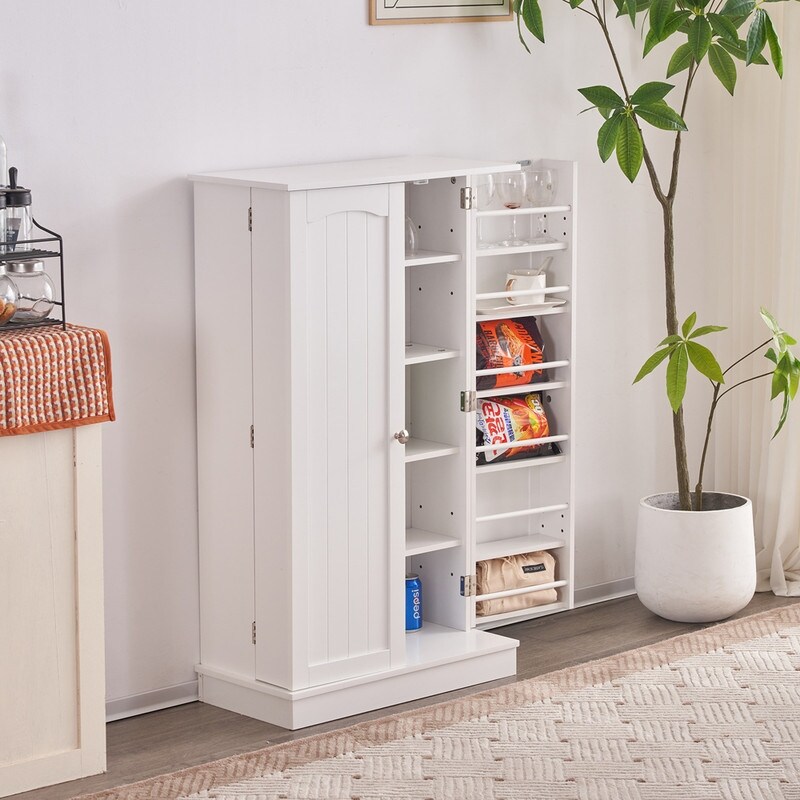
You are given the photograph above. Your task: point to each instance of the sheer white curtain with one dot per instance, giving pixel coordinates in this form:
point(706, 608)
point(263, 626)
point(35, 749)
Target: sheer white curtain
point(760, 239)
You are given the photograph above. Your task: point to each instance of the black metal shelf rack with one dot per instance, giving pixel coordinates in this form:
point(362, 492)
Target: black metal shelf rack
point(58, 315)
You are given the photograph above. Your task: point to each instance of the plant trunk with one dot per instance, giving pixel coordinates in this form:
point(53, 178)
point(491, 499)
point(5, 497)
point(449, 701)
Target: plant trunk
point(678, 429)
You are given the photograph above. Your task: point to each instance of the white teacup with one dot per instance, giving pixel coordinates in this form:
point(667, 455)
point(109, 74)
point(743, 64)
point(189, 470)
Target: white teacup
point(525, 280)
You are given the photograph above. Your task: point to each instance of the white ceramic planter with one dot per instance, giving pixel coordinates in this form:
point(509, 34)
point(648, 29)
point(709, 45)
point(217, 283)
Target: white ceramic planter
point(695, 566)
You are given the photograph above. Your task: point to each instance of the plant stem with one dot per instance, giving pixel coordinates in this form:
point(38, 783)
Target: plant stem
point(698, 491)
point(667, 203)
point(747, 355)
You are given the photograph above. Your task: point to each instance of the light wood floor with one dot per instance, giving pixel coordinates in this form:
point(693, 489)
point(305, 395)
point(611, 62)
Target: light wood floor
point(185, 736)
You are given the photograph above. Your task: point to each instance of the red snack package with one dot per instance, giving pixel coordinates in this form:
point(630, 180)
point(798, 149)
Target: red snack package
point(508, 343)
point(502, 420)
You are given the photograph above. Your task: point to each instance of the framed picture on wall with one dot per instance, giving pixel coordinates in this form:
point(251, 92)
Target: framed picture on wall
point(398, 12)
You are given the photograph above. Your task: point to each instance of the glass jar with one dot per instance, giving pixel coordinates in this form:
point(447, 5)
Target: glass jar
point(18, 217)
point(8, 296)
point(35, 290)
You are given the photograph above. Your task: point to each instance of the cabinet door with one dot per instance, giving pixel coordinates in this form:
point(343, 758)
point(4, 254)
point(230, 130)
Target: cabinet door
point(347, 476)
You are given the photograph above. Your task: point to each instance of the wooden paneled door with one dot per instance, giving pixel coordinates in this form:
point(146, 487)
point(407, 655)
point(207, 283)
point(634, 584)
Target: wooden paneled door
point(347, 481)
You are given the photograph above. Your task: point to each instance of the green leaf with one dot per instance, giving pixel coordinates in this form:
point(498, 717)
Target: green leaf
point(779, 384)
point(681, 60)
point(650, 41)
point(605, 112)
point(630, 148)
point(705, 362)
point(661, 116)
point(651, 93)
point(738, 8)
point(794, 379)
point(532, 16)
point(652, 363)
point(756, 35)
point(602, 97)
point(607, 136)
point(674, 339)
point(739, 50)
point(688, 324)
point(699, 38)
point(574, 3)
point(774, 45)
point(723, 66)
point(660, 11)
point(723, 27)
point(706, 329)
point(770, 354)
point(517, 7)
point(631, 5)
point(677, 369)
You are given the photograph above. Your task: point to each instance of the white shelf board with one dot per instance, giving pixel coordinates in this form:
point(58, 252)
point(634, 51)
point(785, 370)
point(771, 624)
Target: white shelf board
point(356, 173)
point(433, 644)
point(514, 212)
point(528, 388)
point(525, 463)
point(527, 248)
point(420, 449)
point(505, 295)
point(520, 544)
point(423, 353)
point(523, 512)
point(513, 312)
point(419, 541)
point(422, 257)
point(522, 614)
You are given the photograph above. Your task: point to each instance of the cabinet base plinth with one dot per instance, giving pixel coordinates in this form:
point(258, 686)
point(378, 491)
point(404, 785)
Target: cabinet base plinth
point(299, 709)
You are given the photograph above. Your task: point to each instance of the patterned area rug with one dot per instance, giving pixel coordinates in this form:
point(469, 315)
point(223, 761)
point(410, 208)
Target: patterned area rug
point(712, 715)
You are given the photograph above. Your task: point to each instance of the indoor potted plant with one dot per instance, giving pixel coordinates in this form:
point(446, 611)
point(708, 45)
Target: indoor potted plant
point(695, 553)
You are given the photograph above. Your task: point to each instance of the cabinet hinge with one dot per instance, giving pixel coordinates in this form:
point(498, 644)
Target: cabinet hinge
point(250, 219)
point(469, 401)
point(254, 633)
point(469, 585)
point(466, 198)
point(252, 436)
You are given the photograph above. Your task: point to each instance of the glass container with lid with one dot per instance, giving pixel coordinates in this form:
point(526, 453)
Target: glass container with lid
point(18, 219)
point(9, 296)
point(35, 289)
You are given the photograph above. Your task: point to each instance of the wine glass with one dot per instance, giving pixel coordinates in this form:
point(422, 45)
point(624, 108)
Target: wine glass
point(541, 186)
point(484, 194)
point(512, 188)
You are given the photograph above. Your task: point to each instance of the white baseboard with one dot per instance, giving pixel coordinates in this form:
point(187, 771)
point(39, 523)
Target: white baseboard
point(604, 591)
point(143, 703)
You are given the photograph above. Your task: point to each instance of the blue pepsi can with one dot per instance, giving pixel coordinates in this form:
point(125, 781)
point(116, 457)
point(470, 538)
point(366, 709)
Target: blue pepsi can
point(413, 602)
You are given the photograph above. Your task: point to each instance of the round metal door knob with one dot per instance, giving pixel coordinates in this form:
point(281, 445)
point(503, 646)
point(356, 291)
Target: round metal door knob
point(402, 436)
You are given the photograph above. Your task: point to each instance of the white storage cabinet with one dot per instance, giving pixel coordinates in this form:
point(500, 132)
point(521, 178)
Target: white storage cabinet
point(319, 346)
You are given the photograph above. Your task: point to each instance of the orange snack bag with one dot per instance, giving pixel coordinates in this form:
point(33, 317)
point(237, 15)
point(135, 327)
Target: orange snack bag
point(508, 343)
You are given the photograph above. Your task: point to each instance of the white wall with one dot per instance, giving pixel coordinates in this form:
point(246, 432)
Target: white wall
point(107, 104)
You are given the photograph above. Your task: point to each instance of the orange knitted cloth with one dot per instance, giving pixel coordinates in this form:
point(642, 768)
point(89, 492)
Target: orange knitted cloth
point(52, 378)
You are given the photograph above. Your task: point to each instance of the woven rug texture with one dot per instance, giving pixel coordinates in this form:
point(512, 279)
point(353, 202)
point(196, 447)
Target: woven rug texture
point(712, 715)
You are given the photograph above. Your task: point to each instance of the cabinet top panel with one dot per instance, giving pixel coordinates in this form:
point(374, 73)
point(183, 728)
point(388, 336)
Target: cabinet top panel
point(355, 173)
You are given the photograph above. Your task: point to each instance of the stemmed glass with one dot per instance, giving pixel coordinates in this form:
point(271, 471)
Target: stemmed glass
point(541, 191)
point(484, 194)
point(512, 188)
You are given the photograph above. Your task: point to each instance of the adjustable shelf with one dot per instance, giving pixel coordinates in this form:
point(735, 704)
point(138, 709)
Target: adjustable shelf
point(419, 541)
point(524, 590)
point(524, 512)
point(516, 312)
point(521, 293)
point(423, 257)
point(512, 212)
point(524, 463)
point(520, 615)
point(546, 247)
point(421, 450)
point(528, 388)
point(424, 353)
